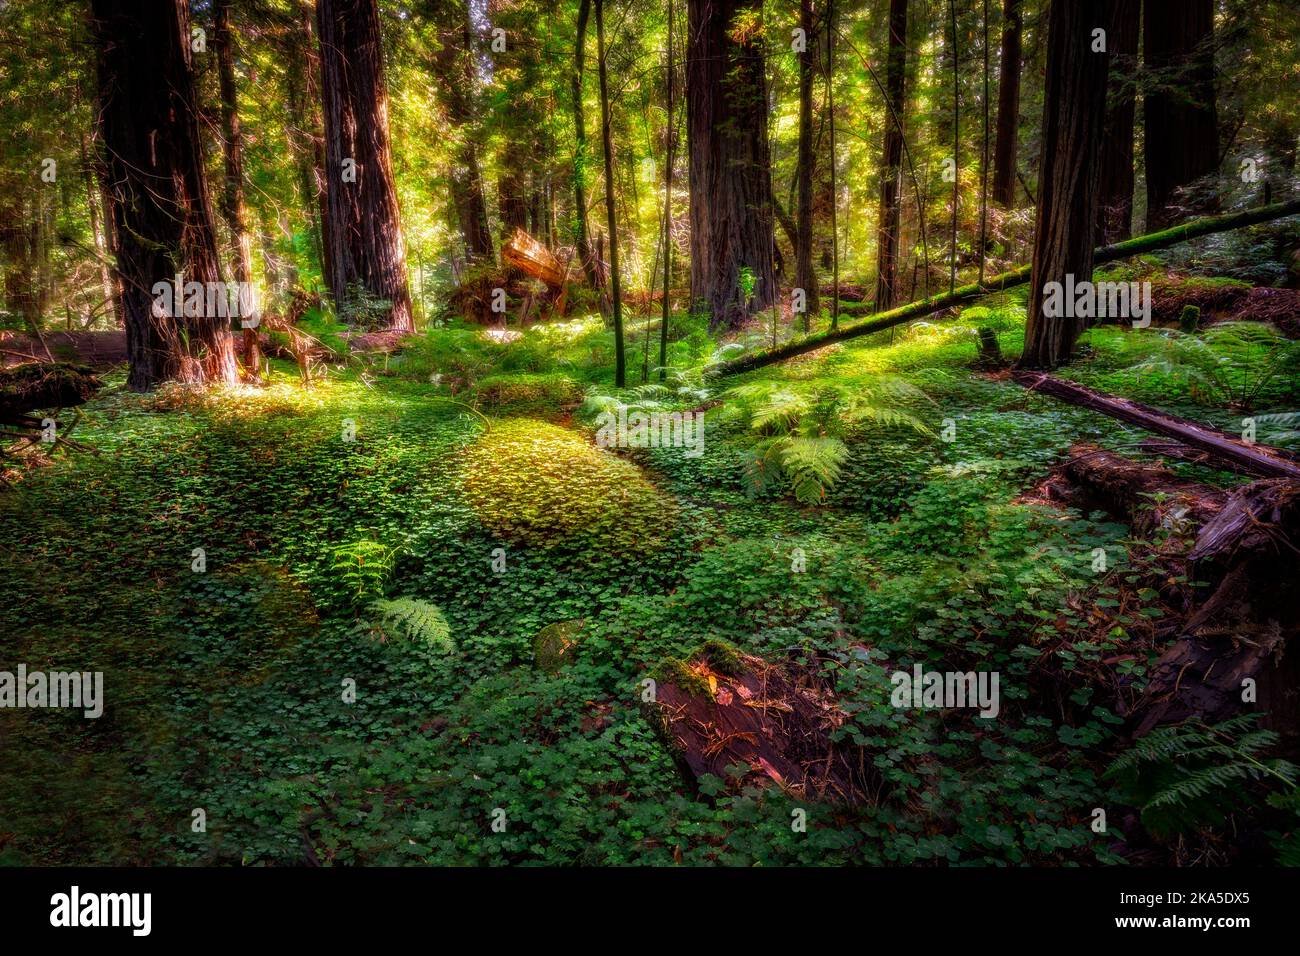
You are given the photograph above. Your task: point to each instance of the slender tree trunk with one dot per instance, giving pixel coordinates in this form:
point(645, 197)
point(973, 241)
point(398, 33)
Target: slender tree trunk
point(233, 194)
point(730, 173)
point(671, 141)
point(365, 234)
point(804, 276)
point(835, 195)
point(581, 237)
point(620, 359)
point(891, 160)
point(1073, 117)
point(1008, 122)
point(1182, 140)
point(956, 145)
point(984, 153)
point(154, 170)
point(102, 246)
point(1115, 204)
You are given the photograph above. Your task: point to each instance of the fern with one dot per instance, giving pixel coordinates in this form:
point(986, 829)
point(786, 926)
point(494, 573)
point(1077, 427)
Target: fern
point(1190, 775)
point(415, 620)
point(805, 428)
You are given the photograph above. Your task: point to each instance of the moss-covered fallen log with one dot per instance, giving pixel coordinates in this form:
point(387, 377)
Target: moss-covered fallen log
point(1007, 280)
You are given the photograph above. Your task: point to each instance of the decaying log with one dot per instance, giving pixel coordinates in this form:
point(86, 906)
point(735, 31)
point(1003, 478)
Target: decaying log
point(1245, 544)
point(529, 256)
point(715, 715)
point(1254, 458)
point(40, 385)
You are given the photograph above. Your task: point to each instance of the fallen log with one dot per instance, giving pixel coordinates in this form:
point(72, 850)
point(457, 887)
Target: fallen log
point(721, 708)
point(1006, 280)
point(1254, 458)
point(1228, 649)
point(41, 385)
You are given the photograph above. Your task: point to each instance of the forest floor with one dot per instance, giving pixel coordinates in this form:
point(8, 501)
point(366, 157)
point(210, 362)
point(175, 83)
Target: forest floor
point(428, 602)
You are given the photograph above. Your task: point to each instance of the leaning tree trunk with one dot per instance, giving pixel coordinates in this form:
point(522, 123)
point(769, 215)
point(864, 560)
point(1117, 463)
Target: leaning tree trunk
point(1008, 122)
point(730, 172)
point(1073, 116)
point(1182, 141)
point(891, 160)
point(365, 229)
point(233, 195)
point(155, 174)
point(804, 276)
point(1115, 203)
point(580, 235)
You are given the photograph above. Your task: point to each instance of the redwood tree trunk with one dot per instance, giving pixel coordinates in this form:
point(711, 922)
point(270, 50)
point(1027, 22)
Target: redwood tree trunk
point(1115, 205)
point(1008, 122)
point(233, 194)
point(1182, 141)
point(1073, 117)
point(891, 160)
point(454, 65)
point(730, 174)
point(804, 277)
point(365, 230)
point(607, 142)
point(154, 172)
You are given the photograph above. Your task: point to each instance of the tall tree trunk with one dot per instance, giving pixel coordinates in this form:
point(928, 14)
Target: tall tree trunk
point(233, 195)
point(1182, 140)
point(835, 195)
point(956, 145)
point(454, 67)
point(891, 160)
point(804, 276)
point(365, 231)
point(1008, 122)
point(1074, 107)
point(154, 169)
point(1115, 202)
point(730, 172)
point(669, 144)
point(620, 359)
point(581, 237)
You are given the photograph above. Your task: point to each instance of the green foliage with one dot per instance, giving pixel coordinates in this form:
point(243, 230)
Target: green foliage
point(537, 483)
point(364, 566)
point(523, 393)
point(1188, 776)
point(415, 620)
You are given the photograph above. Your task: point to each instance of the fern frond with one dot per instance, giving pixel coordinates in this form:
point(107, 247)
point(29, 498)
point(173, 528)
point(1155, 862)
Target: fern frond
point(415, 620)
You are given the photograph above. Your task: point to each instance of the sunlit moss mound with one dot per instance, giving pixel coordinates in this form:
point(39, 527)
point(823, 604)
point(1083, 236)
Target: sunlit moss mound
point(540, 484)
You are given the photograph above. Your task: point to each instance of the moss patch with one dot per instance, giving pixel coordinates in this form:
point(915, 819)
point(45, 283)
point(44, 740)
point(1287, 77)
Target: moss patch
point(534, 482)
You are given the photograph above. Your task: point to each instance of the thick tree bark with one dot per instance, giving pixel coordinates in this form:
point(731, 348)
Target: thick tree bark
point(454, 66)
point(1138, 245)
point(1182, 141)
point(1073, 116)
point(365, 232)
point(1115, 204)
point(233, 194)
point(154, 171)
point(804, 276)
point(730, 174)
point(607, 141)
point(891, 160)
point(1008, 122)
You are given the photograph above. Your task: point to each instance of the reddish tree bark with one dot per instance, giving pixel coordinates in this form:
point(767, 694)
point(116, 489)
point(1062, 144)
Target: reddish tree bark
point(365, 230)
point(1073, 116)
point(1182, 140)
point(804, 276)
point(1115, 204)
point(1008, 122)
point(730, 172)
point(154, 171)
